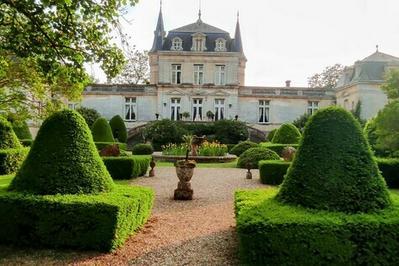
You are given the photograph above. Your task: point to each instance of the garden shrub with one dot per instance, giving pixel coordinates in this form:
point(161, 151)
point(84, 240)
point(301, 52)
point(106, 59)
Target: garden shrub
point(370, 131)
point(102, 145)
point(127, 167)
point(118, 127)
point(11, 160)
point(287, 134)
point(254, 155)
point(271, 233)
point(22, 131)
point(271, 134)
point(26, 142)
point(8, 139)
point(164, 132)
point(387, 129)
point(277, 147)
point(142, 149)
point(389, 168)
point(89, 114)
point(199, 129)
point(102, 131)
point(63, 159)
point(272, 172)
point(333, 168)
point(230, 131)
point(243, 146)
point(95, 222)
point(230, 146)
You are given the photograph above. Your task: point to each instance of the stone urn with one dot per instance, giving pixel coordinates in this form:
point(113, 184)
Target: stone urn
point(184, 171)
point(195, 143)
point(288, 153)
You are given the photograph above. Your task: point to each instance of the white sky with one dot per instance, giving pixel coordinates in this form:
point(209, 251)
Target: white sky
point(283, 39)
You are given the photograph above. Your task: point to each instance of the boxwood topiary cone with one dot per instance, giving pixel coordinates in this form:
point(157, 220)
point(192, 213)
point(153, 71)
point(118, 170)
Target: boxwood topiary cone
point(22, 130)
point(287, 134)
point(102, 131)
point(8, 139)
point(118, 127)
point(63, 159)
point(334, 168)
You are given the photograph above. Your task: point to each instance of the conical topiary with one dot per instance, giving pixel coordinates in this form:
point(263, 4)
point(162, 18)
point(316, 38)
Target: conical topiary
point(334, 168)
point(8, 139)
point(102, 131)
point(63, 159)
point(22, 130)
point(118, 127)
point(287, 134)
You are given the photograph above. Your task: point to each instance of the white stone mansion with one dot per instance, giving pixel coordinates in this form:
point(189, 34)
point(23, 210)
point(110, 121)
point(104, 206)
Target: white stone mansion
point(198, 68)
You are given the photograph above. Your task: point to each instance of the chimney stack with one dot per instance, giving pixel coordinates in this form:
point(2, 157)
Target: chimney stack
point(288, 83)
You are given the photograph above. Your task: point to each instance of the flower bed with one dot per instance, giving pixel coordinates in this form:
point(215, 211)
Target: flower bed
point(206, 149)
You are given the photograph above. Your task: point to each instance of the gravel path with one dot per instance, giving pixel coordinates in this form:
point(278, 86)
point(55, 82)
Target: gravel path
point(197, 232)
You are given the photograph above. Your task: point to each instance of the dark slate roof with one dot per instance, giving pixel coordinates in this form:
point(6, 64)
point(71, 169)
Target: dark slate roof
point(199, 26)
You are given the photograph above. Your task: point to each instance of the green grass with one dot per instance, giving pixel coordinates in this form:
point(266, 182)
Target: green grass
point(5, 180)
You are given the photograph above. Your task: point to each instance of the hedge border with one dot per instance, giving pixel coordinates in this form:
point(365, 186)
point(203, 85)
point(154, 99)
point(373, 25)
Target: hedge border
point(127, 167)
point(277, 147)
point(389, 168)
point(272, 172)
point(102, 145)
point(11, 160)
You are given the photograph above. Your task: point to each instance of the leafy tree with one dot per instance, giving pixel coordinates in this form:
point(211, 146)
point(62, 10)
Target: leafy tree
point(230, 131)
point(391, 84)
point(387, 128)
point(136, 70)
point(326, 79)
point(89, 114)
point(300, 122)
point(357, 112)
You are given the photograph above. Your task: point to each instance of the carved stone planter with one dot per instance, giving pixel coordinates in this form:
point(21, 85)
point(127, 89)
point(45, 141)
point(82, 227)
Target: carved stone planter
point(184, 171)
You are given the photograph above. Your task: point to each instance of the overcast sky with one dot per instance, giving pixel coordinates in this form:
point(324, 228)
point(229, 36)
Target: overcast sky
point(283, 39)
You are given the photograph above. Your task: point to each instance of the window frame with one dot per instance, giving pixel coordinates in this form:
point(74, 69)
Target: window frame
point(199, 77)
point(313, 106)
point(220, 78)
point(132, 106)
point(263, 111)
point(175, 102)
point(177, 44)
point(175, 74)
point(219, 108)
point(220, 45)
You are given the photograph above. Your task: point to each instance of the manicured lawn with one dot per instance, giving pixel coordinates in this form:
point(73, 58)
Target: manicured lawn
point(5, 180)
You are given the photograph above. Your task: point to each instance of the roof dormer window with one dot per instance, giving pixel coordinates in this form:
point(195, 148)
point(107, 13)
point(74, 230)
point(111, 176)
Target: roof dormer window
point(220, 45)
point(177, 44)
point(199, 40)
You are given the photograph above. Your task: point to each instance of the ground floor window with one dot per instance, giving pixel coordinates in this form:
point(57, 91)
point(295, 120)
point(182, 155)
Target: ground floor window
point(175, 109)
point(197, 109)
point(264, 108)
point(130, 109)
point(312, 107)
point(219, 109)
point(73, 106)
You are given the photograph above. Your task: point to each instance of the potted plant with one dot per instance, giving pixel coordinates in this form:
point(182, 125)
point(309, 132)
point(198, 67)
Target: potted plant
point(184, 171)
point(210, 115)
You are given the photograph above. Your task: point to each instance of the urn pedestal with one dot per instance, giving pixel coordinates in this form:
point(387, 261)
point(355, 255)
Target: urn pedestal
point(184, 171)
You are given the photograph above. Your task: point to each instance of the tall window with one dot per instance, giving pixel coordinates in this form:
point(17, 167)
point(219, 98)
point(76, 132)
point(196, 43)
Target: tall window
point(264, 107)
point(220, 45)
point(176, 74)
point(177, 44)
point(130, 109)
point(197, 109)
point(198, 74)
point(175, 109)
point(312, 107)
point(219, 109)
point(199, 42)
point(220, 75)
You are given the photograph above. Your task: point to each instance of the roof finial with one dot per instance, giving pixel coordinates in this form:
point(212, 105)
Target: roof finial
point(376, 47)
point(160, 4)
point(238, 15)
point(199, 11)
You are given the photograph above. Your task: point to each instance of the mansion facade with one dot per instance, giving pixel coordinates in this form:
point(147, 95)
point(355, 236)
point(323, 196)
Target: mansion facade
point(198, 71)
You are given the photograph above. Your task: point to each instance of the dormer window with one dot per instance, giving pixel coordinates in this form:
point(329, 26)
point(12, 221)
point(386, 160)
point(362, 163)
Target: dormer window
point(199, 40)
point(220, 45)
point(177, 44)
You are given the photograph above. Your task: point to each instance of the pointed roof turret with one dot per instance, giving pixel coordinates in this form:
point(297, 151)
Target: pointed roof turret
point(237, 37)
point(159, 32)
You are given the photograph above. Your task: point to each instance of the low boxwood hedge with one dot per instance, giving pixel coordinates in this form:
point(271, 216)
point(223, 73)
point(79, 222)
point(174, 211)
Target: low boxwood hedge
point(142, 149)
point(94, 222)
point(277, 147)
point(127, 167)
point(102, 145)
point(389, 168)
point(272, 172)
point(252, 156)
point(243, 146)
point(271, 233)
point(11, 160)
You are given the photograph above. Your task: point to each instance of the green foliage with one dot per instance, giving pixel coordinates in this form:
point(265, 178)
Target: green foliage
point(389, 168)
point(127, 167)
point(164, 132)
point(254, 155)
point(387, 125)
point(333, 168)
point(328, 78)
point(243, 146)
point(301, 121)
point(21, 129)
point(271, 134)
point(142, 149)
point(63, 160)
point(357, 113)
point(102, 131)
point(89, 114)
point(276, 147)
point(273, 172)
point(96, 222)
point(102, 145)
point(230, 131)
point(11, 160)
point(391, 84)
point(26, 142)
point(287, 134)
point(212, 149)
point(8, 139)
point(199, 129)
point(271, 233)
point(118, 127)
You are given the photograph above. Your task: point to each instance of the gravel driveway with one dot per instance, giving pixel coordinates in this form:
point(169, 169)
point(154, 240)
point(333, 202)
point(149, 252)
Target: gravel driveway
point(197, 232)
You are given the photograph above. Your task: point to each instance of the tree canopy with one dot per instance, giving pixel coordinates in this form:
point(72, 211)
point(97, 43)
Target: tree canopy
point(326, 79)
point(391, 84)
point(136, 70)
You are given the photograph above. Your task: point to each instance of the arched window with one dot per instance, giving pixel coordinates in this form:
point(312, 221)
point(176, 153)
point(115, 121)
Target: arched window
point(177, 44)
point(220, 45)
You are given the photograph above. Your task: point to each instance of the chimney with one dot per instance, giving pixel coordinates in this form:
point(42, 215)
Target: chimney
point(288, 83)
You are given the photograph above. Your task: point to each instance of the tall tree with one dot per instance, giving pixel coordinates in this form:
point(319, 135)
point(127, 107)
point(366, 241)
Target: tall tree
point(136, 70)
point(391, 84)
point(326, 79)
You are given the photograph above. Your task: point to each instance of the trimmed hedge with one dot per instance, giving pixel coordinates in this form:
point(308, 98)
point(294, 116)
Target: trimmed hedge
point(272, 172)
point(142, 149)
point(277, 147)
point(271, 233)
point(243, 146)
point(11, 160)
point(26, 142)
point(89, 114)
point(118, 127)
point(95, 222)
point(102, 131)
point(8, 139)
point(127, 167)
point(287, 134)
point(102, 145)
point(22, 130)
point(389, 168)
point(271, 134)
point(254, 155)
